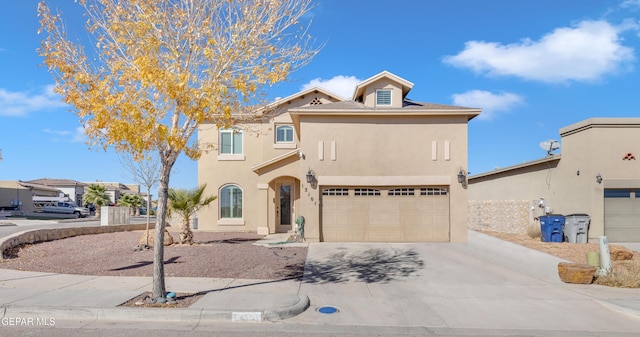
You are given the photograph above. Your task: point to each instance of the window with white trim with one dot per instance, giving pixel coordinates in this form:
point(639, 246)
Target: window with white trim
point(383, 97)
point(335, 191)
point(433, 191)
point(230, 141)
point(284, 134)
point(401, 191)
point(231, 202)
point(366, 191)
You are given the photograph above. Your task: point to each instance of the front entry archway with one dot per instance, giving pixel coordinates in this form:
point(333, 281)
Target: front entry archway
point(286, 194)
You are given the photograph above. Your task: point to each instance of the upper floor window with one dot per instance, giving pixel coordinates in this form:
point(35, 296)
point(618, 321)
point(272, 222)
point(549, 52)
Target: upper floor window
point(230, 141)
point(284, 134)
point(383, 97)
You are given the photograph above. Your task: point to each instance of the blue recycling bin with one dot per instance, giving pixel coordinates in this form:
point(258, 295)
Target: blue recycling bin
point(551, 228)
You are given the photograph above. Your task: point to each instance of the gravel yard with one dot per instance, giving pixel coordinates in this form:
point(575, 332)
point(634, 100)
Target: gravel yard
point(219, 255)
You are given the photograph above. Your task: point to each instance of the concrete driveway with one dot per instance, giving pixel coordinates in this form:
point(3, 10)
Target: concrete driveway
point(486, 283)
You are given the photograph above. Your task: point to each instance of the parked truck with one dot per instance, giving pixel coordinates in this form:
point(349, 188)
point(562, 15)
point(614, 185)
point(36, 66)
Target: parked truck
point(59, 205)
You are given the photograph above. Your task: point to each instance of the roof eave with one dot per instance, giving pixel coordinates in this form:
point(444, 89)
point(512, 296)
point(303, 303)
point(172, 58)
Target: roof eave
point(547, 159)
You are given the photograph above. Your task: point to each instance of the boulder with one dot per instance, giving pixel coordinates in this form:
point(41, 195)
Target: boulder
point(619, 253)
point(576, 273)
point(168, 239)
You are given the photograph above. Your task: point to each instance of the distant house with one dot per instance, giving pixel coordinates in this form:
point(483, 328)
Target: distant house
point(16, 195)
point(597, 173)
point(69, 188)
point(379, 167)
point(116, 190)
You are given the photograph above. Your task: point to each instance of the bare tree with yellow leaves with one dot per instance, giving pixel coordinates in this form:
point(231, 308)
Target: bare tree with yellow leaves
point(152, 70)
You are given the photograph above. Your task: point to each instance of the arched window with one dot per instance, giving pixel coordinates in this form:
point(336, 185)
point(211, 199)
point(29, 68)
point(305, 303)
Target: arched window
point(231, 202)
point(284, 134)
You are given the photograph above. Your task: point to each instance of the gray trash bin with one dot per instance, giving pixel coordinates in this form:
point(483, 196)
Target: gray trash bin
point(576, 228)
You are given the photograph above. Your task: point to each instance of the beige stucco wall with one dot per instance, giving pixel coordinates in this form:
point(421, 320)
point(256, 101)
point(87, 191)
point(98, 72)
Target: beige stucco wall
point(389, 148)
point(589, 147)
point(384, 83)
point(10, 190)
point(257, 185)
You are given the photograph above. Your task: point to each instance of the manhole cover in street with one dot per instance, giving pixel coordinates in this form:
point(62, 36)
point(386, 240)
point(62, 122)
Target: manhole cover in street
point(328, 310)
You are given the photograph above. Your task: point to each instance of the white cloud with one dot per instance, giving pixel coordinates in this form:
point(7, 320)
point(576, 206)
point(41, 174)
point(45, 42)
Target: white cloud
point(79, 136)
point(75, 136)
point(585, 52)
point(630, 4)
point(60, 133)
point(341, 85)
point(490, 103)
point(22, 103)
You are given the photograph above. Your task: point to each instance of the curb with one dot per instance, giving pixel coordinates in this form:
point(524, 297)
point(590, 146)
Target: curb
point(156, 314)
point(625, 310)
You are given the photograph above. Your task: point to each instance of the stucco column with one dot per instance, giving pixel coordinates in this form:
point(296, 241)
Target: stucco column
point(458, 212)
point(263, 210)
point(310, 210)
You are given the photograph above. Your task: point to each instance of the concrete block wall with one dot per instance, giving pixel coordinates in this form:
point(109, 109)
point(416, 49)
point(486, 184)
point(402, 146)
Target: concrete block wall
point(42, 235)
point(506, 216)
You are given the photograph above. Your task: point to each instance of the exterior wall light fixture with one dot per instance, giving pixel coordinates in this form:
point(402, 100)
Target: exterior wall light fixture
point(462, 176)
point(599, 178)
point(310, 176)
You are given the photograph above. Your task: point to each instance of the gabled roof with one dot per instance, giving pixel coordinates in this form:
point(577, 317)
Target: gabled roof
point(272, 161)
point(282, 101)
point(407, 104)
point(406, 85)
point(39, 187)
point(409, 108)
point(313, 90)
point(56, 182)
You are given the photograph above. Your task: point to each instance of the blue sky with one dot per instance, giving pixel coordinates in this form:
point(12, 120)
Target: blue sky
point(533, 66)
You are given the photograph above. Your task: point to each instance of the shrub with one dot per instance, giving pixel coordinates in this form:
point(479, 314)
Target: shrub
point(625, 274)
point(534, 232)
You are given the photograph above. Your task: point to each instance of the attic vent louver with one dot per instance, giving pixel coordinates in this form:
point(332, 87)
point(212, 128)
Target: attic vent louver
point(315, 101)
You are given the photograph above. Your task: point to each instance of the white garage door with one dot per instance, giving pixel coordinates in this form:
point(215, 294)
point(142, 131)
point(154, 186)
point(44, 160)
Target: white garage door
point(385, 215)
point(622, 215)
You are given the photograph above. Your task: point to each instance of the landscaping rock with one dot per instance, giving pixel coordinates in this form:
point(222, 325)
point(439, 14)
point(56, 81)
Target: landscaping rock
point(168, 239)
point(576, 273)
point(619, 253)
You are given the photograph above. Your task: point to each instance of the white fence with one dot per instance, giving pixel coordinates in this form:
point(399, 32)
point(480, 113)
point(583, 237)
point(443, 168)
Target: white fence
point(114, 215)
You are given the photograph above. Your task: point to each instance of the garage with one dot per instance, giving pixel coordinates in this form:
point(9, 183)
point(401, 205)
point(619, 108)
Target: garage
point(622, 215)
point(375, 214)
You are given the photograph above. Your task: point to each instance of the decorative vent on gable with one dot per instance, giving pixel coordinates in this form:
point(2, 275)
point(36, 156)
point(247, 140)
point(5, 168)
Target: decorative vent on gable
point(315, 101)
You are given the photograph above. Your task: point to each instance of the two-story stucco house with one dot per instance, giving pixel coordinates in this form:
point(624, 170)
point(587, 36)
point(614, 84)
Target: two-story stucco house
point(379, 167)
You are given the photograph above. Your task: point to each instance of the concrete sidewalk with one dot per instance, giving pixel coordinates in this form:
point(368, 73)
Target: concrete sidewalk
point(79, 297)
point(486, 284)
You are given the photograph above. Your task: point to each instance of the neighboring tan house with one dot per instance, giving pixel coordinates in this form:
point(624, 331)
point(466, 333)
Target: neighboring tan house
point(598, 174)
point(115, 190)
point(70, 188)
point(17, 196)
point(379, 167)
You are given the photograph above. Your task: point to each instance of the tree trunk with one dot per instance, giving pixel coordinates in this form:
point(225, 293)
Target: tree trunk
point(159, 291)
point(186, 235)
point(148, 212)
